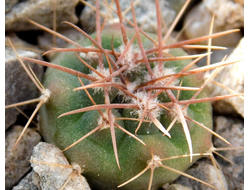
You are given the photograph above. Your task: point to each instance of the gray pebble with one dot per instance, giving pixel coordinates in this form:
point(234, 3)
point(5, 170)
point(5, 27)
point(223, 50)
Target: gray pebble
point(145, 13)
point(16, 160)
point(40, 11)
point(51, 175)
point(228, 15)
point(18, 85)
point(175, 187)
point(26, 183)
point(205, 171)
point(231, 76)
point(9, 4)
point(233, 130)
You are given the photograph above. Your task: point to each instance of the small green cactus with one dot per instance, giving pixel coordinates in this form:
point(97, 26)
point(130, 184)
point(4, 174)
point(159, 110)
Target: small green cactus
point(128, 131)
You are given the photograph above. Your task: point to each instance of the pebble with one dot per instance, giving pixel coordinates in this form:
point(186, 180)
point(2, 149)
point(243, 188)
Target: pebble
point(231, 129)
point(51, 174)
point(204, 171)
point(9, 4)
point(18, 85)
point(16, 160)
point(228, 15)
point(40, 11)
point(26, 183)
point(145, 14)
point(231, 76)
point(175, 187)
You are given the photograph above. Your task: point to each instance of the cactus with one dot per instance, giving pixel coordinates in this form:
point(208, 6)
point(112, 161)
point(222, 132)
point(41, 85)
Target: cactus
point(129, 127)
point(126, 106)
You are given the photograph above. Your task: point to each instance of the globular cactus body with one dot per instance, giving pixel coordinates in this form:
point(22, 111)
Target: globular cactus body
point(95, 154)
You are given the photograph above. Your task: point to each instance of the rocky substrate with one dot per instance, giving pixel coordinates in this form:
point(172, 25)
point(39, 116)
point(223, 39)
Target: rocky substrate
point(22, 169)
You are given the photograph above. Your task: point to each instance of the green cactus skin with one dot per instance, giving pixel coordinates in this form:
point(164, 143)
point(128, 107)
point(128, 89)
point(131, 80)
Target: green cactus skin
point(95, 154)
